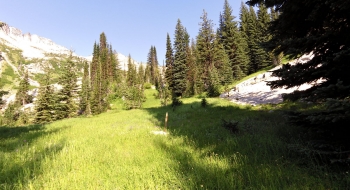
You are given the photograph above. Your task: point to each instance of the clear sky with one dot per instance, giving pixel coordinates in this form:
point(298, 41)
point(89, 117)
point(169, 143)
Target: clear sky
point(131, 26)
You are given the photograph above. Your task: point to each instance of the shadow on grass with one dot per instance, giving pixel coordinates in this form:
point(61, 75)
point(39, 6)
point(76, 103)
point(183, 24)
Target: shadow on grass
point(201, 130)
point(20, 158)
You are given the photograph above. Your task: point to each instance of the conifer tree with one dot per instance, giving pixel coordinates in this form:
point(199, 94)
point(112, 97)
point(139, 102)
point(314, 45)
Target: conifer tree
point(84, 103)
point(131, 77)
point(253, 44)
point(141, 74)
point(321, 28)
point(104, 65)
point(222, 63)
point(191, 70)
point(22, 96)
point(179, 66)
point(152, 63)
point(95, 80)
point(66, 106)
point(45, 104)
point(264, 36)
point(169, 62)
point(205, 47)
point(233, 42)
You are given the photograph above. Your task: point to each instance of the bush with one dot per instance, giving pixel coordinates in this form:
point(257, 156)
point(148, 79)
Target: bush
point(232, 126)
point(204, 102)
point(176, 102)
point(147, 85)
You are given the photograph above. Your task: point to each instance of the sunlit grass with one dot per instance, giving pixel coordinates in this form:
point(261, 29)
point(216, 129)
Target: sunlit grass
point(117, 150)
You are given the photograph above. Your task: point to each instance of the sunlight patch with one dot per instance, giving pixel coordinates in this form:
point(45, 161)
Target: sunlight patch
point(159, 133)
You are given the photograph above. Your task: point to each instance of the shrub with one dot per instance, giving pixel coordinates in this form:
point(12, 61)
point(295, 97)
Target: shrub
point(147, 85)
point(204, 102)
point(232, 126)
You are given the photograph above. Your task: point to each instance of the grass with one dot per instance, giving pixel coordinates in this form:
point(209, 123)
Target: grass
point(116, 150)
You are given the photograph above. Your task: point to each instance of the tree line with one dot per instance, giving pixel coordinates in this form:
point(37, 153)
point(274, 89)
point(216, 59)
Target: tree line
point(212, 60)
point(215, 58)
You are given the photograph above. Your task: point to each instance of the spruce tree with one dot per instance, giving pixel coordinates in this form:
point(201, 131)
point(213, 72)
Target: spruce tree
point(264, 36)
point(22, 96)
point(152, 63)
point(95, 80)
point(205, 47)
point(233, 42)
point(321, 28)
point(84, 104)
point(45, 103)
point(169, 63)
point(66, 106)
point(131, 77)
point(222, 63)
point(179, 66)
point(191, 70)
point(141, 74)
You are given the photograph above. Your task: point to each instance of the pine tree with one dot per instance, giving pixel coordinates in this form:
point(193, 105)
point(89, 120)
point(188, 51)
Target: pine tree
point(191, 71)
point(45, 104)
point(66, 106)
point(179, 66)
point(321, 28)
point(234, 43)
point(264, 36)
point(222, 63)
point(95, 80)
point(84, 104)
point(169, 63)
point(152, 63)
point(141, 74)
point(104, 65)
point(22, 96)
point(205, 47)
point(131, 77)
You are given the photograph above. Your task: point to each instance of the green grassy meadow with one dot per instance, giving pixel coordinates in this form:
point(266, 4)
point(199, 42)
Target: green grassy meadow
point(117, 150)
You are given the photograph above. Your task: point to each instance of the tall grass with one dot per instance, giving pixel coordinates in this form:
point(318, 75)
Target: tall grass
point(117, 150)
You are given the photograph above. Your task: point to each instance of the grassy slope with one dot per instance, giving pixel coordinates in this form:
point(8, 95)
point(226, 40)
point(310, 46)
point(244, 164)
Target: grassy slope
point(116, 150)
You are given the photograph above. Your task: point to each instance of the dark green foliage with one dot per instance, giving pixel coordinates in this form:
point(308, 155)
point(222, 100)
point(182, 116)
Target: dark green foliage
point(222, 63)
point(176, 102)
point(192, 74)
point(152, 64)
point(11, 114)
point(141, 74)
point(66, 106)
point(214, 83)
point(169, 63)
point(131, 76)
point(234, 43)
point(232, 126)
point(2, 93)
point(204, 103)
point(104, 71)
point(84, 104)
point(147, 85)
point(45, 104)
point(205, 50)
point(179, 66)
point(22, 96)
point(321, 28)
point(133, 91)
point(134, 97)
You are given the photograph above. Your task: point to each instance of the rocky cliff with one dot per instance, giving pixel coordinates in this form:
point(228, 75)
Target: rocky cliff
point(32, 45)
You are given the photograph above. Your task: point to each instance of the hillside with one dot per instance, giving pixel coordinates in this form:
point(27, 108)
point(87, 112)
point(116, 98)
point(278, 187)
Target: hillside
point(254, 90)
point(120, 150)
point(30, 52)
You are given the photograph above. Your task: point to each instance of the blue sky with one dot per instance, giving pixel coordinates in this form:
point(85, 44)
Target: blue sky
point(131, 26)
